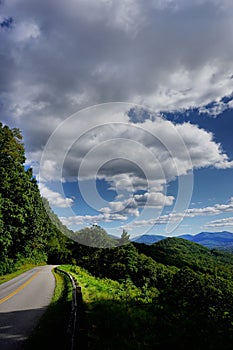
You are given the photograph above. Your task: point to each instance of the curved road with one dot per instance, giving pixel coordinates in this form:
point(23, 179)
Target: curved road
point(23, 300)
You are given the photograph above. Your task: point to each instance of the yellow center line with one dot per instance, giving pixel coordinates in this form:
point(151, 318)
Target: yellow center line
point(19, 288)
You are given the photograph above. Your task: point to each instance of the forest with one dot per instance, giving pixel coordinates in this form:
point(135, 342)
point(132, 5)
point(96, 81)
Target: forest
point(27, 233)
point(171, 293)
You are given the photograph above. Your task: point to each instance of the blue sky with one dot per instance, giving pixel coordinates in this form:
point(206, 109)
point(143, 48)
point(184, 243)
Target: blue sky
point(126, 109)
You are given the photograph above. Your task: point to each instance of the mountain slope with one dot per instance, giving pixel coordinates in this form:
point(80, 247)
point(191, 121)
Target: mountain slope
point(180, 252)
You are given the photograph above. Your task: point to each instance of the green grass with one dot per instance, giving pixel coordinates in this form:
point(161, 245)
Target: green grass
point(118, 315)
point(18, 272)
point(51, 332)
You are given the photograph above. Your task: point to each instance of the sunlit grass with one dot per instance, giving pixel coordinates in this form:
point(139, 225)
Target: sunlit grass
point(118, 314)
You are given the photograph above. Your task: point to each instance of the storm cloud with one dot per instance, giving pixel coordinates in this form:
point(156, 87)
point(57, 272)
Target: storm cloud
point(58, 57)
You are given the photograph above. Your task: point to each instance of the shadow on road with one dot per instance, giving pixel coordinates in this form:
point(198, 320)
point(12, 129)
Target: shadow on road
point(16, 326)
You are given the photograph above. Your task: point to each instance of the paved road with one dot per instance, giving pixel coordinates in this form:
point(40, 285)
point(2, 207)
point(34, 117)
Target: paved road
point(23, 300)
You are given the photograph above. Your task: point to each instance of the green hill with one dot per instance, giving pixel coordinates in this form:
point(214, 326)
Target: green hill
point(175, 293)
point(180, 252)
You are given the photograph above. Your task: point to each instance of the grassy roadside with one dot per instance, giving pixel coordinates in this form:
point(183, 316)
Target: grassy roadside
point(51, 332)
point(18, 272)
point(118, 315)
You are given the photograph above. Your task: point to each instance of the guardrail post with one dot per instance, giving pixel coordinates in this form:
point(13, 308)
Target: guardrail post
point(77, 330)
point(81, 329)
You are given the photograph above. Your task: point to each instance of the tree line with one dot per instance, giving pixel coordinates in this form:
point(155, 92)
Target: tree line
point(27, 234)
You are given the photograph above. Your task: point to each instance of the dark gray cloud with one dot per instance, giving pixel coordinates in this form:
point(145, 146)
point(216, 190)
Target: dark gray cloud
point(58, 57)
point(6, 23)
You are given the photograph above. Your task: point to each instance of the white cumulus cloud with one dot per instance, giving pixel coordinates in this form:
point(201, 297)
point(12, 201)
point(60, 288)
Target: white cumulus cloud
point(221, 223)
point(55, 199)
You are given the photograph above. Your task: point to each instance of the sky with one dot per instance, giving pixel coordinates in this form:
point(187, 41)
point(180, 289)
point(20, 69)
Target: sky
point(126, 109)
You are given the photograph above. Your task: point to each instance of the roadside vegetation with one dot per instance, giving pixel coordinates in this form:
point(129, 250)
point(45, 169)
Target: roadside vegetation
point(133, 301)
point(118, 315)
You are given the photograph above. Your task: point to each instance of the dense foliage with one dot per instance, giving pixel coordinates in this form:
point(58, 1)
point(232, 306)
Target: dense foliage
point(118, 315)
point(26, 231)
point(181, 253)
point(193, 311)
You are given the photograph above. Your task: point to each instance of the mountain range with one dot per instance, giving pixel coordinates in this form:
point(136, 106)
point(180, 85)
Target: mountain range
point(219, 240)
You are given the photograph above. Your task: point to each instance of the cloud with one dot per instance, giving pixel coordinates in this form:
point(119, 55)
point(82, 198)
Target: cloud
point(127, 207)
point(55, 199)
point(137, 160)
point(221, 223)
point(6, 22)
point(59, 57)
point(157, 200)
point(217, 209)
point(214, 210)
point(217, 107)
point(128, 155)
point(122, 212)
point(91, 219)
point(26, 31)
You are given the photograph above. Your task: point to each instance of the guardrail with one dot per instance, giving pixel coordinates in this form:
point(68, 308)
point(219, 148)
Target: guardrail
point(77, 331)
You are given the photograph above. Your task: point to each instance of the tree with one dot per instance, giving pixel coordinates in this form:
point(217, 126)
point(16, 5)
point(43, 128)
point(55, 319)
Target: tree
point(124, 238)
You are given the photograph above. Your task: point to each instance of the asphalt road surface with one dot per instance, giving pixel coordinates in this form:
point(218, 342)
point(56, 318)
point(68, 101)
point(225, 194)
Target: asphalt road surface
point(23, 300)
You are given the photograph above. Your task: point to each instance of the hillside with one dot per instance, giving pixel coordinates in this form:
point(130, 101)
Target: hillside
point(173, 293)
point(180, 252)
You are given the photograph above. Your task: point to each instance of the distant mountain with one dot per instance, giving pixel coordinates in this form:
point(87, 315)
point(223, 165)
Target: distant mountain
point(147, 239)
point(219, 240)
